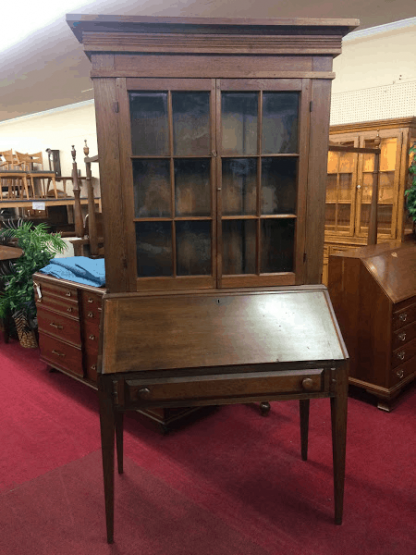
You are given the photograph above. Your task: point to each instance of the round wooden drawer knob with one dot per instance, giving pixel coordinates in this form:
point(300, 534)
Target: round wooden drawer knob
point(144, 392)
point(307, 383)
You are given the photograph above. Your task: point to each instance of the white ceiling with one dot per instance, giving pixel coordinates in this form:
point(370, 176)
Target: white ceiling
point(49, 69)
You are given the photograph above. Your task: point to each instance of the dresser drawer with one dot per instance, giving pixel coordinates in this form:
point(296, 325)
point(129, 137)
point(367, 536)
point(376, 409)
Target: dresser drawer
point(60, 326)
point(217, 387)
point(91, 306)
point(403, 371)
point(91, 336)
point(61, 355)
point(62, 291)
point(404, 335)
point(403, 353)
point(63, 306)
point(404, 317)
point(91, 366)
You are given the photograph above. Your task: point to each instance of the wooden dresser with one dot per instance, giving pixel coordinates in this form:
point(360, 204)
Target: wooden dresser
point(373, 291)
point(69, 329)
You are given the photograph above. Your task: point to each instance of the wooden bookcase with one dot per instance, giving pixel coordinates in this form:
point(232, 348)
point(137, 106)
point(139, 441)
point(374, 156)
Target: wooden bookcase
point(212, 138)
point(349, 183)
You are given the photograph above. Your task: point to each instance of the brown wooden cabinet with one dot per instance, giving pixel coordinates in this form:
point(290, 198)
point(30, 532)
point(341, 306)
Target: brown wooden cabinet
point(350, 179)
point(212, 139)
point(373, 291)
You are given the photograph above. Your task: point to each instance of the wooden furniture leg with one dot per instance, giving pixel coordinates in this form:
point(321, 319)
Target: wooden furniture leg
point(339, 436)
point(107, 424)
point(304, 427)
point(119, 420)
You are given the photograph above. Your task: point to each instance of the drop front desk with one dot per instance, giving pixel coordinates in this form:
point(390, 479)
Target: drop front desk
point(216, 348)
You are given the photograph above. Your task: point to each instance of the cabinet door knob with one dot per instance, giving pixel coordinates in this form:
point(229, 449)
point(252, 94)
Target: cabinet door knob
point(307, 383)
point(403, 317)
point(402, 336)
point(144, 392)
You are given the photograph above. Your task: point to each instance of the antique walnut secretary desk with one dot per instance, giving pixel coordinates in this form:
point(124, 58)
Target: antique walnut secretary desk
point(212, 139)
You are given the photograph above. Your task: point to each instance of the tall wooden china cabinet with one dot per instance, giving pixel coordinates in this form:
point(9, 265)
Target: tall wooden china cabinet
point(212, 139)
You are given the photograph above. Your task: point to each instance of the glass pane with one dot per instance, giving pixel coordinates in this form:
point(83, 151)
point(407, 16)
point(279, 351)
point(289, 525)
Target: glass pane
point(151, 182)
point(154, 249)
point(190, 123)
point(193, 248)
point(192, 188)
point(345, 184)
point(364, 216)
point(239, 191)
point(280, 122)
point(346, 162)
point(333, 158)
point(386, 188)
point(344, 217)
point(331, 188)
point(239, 123)
point(277, 245)
point(384, 218)
point(238, 247)
point(149, 123)
point(278, 185)
point(330, 217)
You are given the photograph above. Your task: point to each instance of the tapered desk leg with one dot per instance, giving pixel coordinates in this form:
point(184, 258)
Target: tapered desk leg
point(339, 436)
point(304, 427)
point(119, 418)
point(107, 422)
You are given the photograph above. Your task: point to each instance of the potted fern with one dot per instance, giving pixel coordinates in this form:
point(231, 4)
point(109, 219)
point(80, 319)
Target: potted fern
point(16, 288)
point(411, 192)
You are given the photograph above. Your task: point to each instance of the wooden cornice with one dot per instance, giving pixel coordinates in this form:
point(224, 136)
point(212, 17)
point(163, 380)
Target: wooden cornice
point(101, 33)
point(212, 44)
point(373, 125)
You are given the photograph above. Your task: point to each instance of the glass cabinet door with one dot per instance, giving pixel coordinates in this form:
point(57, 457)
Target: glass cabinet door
point(212, 182)
point(341, 190)
point(258, 170)
point(172, 144)
point(388, 187)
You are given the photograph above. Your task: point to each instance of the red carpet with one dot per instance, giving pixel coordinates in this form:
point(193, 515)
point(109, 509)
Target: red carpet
point(232, 483)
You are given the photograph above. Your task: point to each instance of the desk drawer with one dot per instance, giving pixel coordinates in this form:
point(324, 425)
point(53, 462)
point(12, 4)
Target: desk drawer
point(404, 335)
point(62, 291)
point(403, 354)
point(61, 355)
point(217, 387)
point(62, 327)
point(91, 336)
point(91, 306)
point(404, 317)
point(403, 371)
point(63, 306)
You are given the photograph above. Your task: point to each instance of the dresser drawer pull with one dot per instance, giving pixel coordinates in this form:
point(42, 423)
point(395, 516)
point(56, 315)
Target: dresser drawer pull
point(99, 309)
point(401, 355)
point(90, 314)
point(144, 392)
point(68, 294)
point(92, 337)
point(58, 353)
point(307, 383)
point(403, 317)
point(400, 373)
point(70, 309)
point(90, 300)
point(402, 336)
point(57, 326)
point(94, 367)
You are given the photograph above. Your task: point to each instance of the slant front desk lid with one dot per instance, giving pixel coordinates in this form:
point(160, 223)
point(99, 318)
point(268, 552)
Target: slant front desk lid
point(219, 329)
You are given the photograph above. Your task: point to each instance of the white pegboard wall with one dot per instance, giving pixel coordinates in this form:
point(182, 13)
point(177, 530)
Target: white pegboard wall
point(385, 102)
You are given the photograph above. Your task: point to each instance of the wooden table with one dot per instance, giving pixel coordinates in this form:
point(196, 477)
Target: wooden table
point(214, 348)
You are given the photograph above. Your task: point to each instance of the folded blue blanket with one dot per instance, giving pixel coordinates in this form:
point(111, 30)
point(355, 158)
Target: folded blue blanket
point(77, 268)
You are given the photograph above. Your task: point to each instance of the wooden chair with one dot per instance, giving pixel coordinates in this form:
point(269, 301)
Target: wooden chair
point(34, 168)
point(12, 171)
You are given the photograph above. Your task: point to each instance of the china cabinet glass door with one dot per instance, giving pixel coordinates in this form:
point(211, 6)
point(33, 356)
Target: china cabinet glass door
point(213, 182)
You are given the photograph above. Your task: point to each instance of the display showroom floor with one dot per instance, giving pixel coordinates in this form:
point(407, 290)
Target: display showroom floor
point(232, 483)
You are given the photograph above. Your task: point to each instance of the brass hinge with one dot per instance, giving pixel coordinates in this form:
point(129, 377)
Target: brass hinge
point(116, 107)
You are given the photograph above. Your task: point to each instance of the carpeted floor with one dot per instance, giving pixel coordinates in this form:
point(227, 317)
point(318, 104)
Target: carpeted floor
point(231, 483)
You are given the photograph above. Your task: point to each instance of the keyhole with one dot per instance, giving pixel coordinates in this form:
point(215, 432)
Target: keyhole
point(218, 301)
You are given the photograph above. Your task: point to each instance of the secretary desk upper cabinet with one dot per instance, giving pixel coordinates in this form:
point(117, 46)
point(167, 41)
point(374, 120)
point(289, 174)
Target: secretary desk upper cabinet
point(213, 141)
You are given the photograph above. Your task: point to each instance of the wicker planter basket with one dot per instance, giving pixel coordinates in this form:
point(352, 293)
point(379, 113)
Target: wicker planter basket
point(27, 336)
